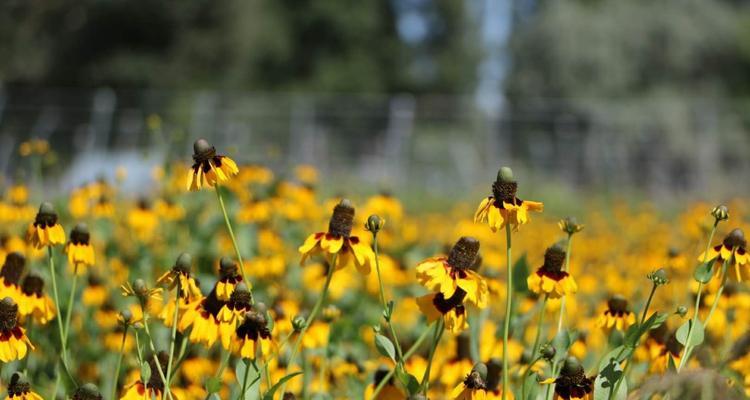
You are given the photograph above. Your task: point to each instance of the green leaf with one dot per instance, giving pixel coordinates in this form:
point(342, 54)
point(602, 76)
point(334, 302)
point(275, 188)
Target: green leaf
point(385, 346)
point(145, 372)
point(616, 338)
point(269, 394)
point(670, 365)
point(696, 337)
point(561, 342)
point(213, 384)
point(239, 371)
point(408, 380)
point(531, 387)
point(703, 272)
point(616, 355)
point(214, 396)
point(520, 273)
point(635, 332)
point(606, 380)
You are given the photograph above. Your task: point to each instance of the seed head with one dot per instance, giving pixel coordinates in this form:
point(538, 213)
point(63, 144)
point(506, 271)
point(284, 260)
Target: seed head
point(464, 253)
point(201, 146)
point(342, 219)
point(184, 262)
point(18, 385)
point(80, 234)
point(735, 238)
point(8, 314)
point(548, 351)
point(88, 391)
point(227, 267)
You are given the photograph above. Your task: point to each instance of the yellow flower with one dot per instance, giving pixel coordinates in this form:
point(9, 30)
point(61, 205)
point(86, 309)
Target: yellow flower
point(19, 388)
point(14, 344)
point(34, 302)
point(454, 275)
point(201, 316)
point(732, 249)
point(503, 207)
point(253, 337)
point(45, 231)
point(154, 386)
point(229, 278)
point(232, 313)
point(572, 383)
point(474, 386)
point(616, 315)
point(389, 390)
point(79, 249)
point(143, 220)
point(338, 240)
point(10, 275)
point(180, 272)
point(550, 279)
point(209, 168)
point(95, 293)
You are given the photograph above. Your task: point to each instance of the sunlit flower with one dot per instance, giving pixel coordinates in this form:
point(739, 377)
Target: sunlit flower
point(389, 391)
point(550, 279)
point(229, 278)
point(453, 273)
point(180, 272)
point(154, 387)
point(143, 220)
point(572, 383)
point(45, 231)
point(732, 249)
point(79, 250)
point(231, 313)
point(19, 388)
point(252, 336)
point(10, 275)
point(209, 168)
point(13, 341)
point(338, 240)
point(34, 302)
point(503, 207)
point(617, 314)
point(201, 316)
point(95, 293)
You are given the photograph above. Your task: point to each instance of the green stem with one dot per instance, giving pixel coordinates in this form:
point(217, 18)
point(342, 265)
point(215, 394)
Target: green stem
point(566, 268)
point(539, 324)
point(313, 313)
point(174, 332)
point(686, 349)
point(56, 298)
point(386, 312)
point(155, 355)
point(629, 361)
point(526, 372)
point(439, 328)
point(116, 377)
point(508, 310)
point(71, 299)
point(220, 371)
point(408, 354)
point(234, 239)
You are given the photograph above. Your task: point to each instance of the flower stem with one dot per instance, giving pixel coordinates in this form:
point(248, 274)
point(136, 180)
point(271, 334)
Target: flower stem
point(56, 297)
point(508, 310)
point(386, 312)
point(566, 268)
point(71, 299)
point(439, 328)
point(685, 353)
point(313, 313)
point(408, 354)
point(174, 331)
point(628, 363)
point(535, 348)
point(155, 355)
point(234, 239)
point(116, 376)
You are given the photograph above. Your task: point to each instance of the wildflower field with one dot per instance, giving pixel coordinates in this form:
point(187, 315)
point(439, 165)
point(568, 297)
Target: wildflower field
point(232, 281)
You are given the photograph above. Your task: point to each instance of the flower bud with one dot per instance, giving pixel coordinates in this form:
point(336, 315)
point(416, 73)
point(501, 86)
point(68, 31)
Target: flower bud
point(548, 351)
point(139, 288)
point(126, 317)
point(298, 323)
point(331, 313)
point(681, 311)
point(569, 225)
point(659, 277)
point(374, 224)
point(720, 213)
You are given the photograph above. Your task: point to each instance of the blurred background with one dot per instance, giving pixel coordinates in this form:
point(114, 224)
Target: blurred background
point(426, 99)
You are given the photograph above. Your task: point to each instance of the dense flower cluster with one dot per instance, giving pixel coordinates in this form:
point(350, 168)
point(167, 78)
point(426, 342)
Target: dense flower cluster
point(230, 280)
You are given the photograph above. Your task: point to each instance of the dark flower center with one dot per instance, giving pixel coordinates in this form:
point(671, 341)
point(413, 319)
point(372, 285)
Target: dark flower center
point(155, 381)
point(342, 219)
point(240, 300)
point(32, 285)
point(8, 314)
point(474, 381)
point(18, 385)
point(44, 219)
point(204, 155)
point(735, 238)
point(464, 253)
point(617, 305)
point(253, 327)
point(13, 268)
point(674, 346)
point(494, 372)
point(79, 237)
point(505, 191)
point(380, 374)
point(456, 301)
point(87, 392)
point(553, 259)
point(212, 304)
